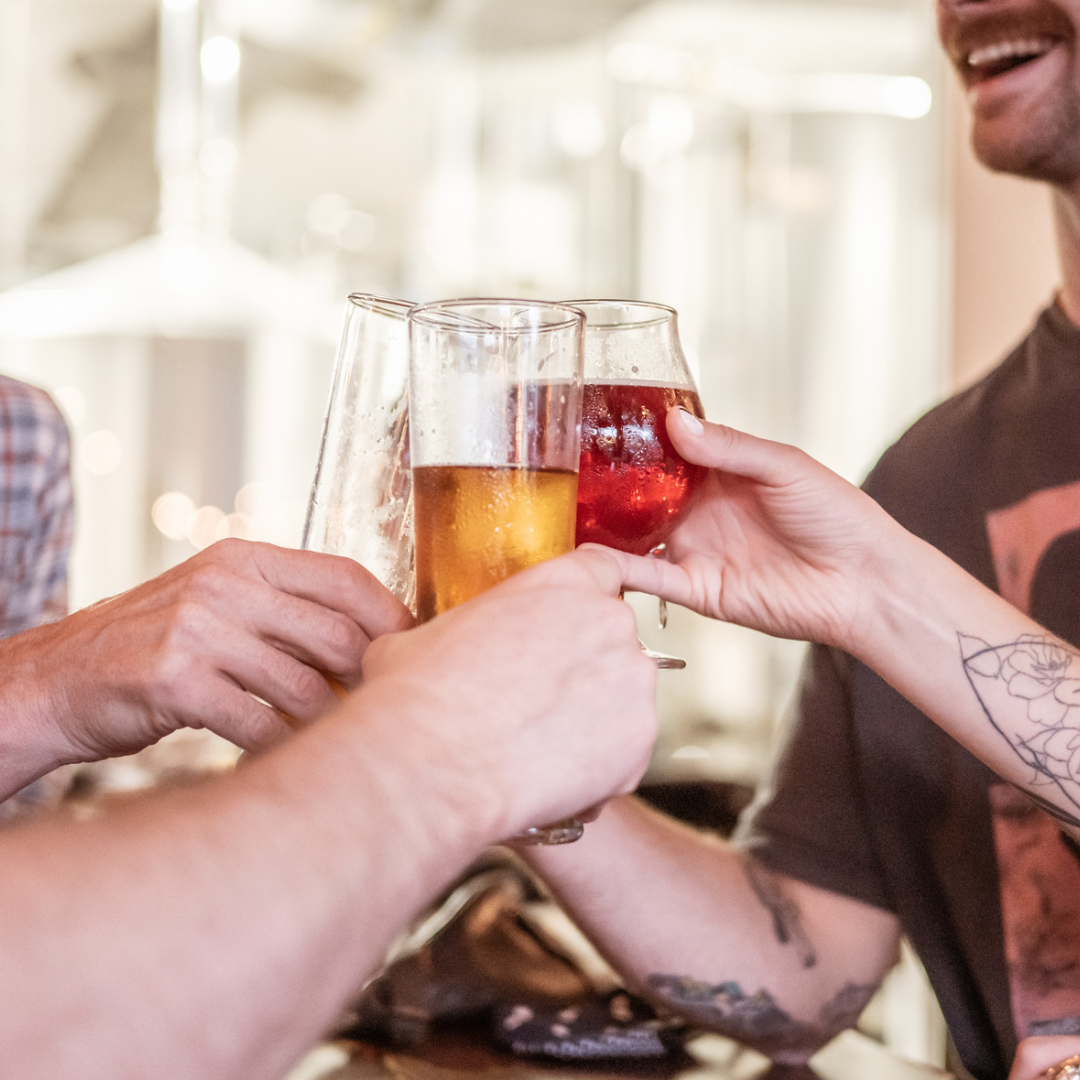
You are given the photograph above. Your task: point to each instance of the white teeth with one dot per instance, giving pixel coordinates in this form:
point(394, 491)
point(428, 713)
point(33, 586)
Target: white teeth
point(1025, 48)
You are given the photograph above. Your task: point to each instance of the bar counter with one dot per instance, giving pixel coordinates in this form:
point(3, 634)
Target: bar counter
point(464, 1054)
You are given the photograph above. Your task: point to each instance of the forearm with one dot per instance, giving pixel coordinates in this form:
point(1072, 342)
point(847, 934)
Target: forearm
point(717, 938)
point(216, 931)
point(989, 676)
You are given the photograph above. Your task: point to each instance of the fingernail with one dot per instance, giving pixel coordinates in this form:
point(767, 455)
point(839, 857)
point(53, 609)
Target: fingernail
point(693, 424)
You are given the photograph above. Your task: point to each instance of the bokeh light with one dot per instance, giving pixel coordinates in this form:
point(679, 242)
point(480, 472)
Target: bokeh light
point(171, 513)
point(202, 526)
point(234, 525)
point(220, 59)
point(101, 452)
point(254, 498)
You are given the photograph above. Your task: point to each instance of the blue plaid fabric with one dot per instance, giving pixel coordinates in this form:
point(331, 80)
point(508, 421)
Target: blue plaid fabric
point(36, 508)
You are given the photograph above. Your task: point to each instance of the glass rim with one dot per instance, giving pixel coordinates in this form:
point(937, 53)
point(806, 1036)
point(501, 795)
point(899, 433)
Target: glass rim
point(390, 306)
point(439, 315)
point(664, 312)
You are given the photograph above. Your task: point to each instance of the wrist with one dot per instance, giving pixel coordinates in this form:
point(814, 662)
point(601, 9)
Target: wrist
point(32, 733)
point(389, 737)
point(901, 613)
point(353, 804)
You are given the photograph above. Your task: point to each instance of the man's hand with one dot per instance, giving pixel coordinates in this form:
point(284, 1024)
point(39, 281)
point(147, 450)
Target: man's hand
point(530, 702)
point(517, 708)
point(776, 541)
point(189, 649)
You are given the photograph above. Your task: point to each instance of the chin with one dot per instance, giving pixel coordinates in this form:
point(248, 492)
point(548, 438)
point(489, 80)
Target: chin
point(1041, 151)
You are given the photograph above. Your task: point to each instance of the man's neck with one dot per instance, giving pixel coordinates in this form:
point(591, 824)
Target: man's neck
point(1066, 203)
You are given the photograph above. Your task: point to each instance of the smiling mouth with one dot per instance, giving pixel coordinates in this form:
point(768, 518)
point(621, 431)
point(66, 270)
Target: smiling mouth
point(989, 60)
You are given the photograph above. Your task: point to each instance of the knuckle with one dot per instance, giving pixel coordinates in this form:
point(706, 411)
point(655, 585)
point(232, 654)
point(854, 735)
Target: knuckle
point(344, 640)
point(170, 674)
point(254, 728)
point(294, 687)
point(188, 621)
point(230, 550)
point(209, 581)
point(303, 683)
point(353, 575)
point(183, 647)
point(798, 463)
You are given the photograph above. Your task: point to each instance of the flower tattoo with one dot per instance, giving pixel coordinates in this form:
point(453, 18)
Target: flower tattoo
point(1039, 674)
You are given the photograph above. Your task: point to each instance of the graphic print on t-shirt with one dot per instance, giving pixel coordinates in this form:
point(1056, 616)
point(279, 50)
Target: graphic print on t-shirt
point(1040, 906)
point(1035, 546)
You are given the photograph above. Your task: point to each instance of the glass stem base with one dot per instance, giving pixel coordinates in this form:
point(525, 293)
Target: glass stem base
point(664, 661)
point(559, 832)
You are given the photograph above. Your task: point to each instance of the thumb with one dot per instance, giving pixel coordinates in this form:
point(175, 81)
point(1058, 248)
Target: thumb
point(614, 571)
point(731, 451)
point(605, 568)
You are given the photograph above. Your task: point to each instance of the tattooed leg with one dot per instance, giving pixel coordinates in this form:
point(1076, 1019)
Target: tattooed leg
point(787, 918)
point(757, 1019)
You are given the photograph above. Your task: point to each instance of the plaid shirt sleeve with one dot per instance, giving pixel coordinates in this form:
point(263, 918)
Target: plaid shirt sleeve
point(36, 508)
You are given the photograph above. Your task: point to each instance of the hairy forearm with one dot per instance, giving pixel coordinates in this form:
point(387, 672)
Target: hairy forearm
point(215, 931)
point(711, 934)
point(988, 675)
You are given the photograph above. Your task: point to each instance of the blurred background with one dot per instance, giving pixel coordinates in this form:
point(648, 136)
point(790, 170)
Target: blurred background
point(189, 189)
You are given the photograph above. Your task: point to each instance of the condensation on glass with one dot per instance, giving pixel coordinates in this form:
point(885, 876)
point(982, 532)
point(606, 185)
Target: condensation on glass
point(361, 499)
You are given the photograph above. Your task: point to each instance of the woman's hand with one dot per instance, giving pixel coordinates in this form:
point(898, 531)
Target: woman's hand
point(775, 541)
point(1036, 1056)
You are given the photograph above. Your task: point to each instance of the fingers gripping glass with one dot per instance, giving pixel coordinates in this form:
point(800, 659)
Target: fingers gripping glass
point(495, 407)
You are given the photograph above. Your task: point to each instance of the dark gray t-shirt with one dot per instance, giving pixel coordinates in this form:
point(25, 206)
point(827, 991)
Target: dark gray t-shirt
point(871, 799)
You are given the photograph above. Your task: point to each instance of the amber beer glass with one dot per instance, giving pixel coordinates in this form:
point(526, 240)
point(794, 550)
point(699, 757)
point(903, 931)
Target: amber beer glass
point(496, 415)
point(503, 519)
point(495, 418)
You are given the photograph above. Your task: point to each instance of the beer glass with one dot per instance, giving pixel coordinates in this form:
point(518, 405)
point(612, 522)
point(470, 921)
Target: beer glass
point(495, 399)
point(633, 487)
point(361, 499)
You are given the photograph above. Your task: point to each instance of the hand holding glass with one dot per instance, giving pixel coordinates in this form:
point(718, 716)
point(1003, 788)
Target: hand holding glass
point(495, 405)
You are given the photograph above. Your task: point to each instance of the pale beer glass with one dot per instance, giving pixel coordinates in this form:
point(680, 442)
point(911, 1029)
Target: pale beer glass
point(495, 399)
point(361, 499)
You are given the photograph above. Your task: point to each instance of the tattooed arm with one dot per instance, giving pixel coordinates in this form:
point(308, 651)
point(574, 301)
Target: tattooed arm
point(713, 935)
point(779, 543)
